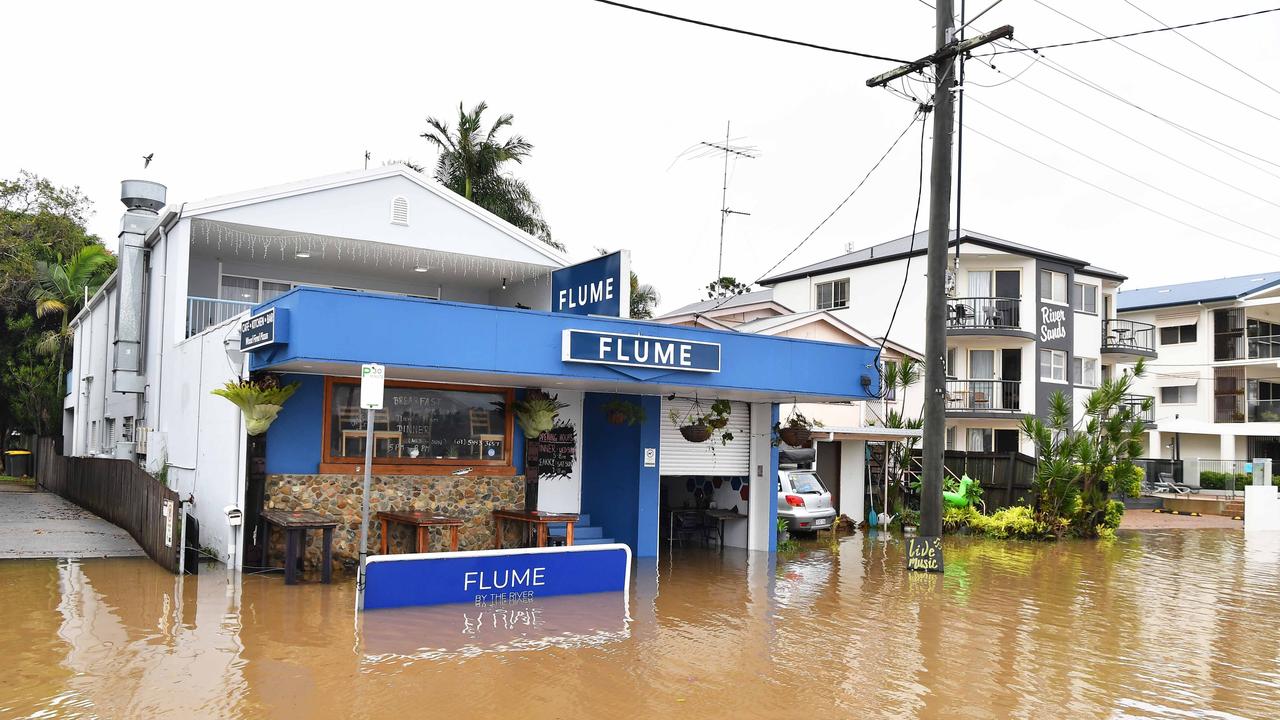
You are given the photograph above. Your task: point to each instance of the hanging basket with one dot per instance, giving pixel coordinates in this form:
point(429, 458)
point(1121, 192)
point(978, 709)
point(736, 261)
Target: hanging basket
point(617, 417)
point(696, 433)
point(795, 436)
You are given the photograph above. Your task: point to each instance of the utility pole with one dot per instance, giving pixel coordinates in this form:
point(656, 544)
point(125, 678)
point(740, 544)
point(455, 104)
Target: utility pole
point(935, 345)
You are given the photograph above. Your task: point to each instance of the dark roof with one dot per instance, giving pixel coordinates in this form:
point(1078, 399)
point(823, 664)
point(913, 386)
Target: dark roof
point(917, 245)
point(746, 298)
point(1230, 288)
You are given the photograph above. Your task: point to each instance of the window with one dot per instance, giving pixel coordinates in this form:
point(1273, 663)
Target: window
point(980, 440)
point(1178, 395)
point(242, 289)
point(1178, 334)
point(108, 434)
point(951, 437)
point(951, 364)
point(833, 295)
point(1053, 365)
point(1086, 298)
point(419, 424)
point(272, 290)
point(1084, 371)
point(1053, 286)
point(126, 429)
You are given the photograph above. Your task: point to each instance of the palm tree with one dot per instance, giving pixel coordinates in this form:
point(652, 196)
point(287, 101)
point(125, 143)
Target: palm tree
point(61, 288)
point(644, 298)
point(470, 164)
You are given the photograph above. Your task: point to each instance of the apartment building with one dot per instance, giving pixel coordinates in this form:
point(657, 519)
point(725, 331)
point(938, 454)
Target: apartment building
point(1022, 324)
point(1217, 379)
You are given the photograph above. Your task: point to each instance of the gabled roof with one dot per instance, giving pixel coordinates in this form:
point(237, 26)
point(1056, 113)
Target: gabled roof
point(328, 182)
point(722, 307)
point(910, 245)
point(1232, 288)
point(783, 323)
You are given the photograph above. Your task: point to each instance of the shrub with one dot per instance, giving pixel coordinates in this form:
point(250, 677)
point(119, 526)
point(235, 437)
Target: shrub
point(1114, 514)
point(1018, 521)
point(1214, 480)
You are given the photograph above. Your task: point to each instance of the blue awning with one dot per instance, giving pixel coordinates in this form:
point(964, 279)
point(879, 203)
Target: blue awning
point(331, 332)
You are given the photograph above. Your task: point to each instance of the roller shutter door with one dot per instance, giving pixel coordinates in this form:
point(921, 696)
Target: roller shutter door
point(681, 457)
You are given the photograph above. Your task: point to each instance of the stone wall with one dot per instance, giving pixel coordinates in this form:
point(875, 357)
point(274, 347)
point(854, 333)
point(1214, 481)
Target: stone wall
point(469, 497)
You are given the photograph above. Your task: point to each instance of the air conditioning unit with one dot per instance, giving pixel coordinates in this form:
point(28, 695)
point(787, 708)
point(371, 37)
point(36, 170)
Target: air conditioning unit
point(140, 439)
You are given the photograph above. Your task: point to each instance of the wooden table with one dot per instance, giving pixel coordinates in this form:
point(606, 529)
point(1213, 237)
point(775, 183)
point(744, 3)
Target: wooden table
point(721, 516)
point(539, 520)
point(422, 522)
point(295, 526)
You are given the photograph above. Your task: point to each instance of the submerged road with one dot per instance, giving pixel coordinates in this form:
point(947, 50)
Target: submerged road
point(37, 524)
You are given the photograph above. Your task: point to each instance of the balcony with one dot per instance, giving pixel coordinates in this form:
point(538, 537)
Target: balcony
point(1128, 340)
point(985, 316)
point(203, 313)
point(1135, 404)
point(984, 398)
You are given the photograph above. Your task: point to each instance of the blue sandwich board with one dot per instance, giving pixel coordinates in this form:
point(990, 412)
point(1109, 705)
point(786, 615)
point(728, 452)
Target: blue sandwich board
point(486, 577)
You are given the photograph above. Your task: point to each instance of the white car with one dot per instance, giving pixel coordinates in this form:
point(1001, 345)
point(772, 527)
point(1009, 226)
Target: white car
point(804, 501)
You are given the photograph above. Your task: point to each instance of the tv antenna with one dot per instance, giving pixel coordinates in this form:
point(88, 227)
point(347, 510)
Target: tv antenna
point(727, 148)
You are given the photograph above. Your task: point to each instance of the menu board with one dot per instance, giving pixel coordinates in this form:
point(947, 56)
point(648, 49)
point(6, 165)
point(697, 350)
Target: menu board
point(556, 451)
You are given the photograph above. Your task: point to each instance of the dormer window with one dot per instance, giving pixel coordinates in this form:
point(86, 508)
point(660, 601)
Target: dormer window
point(400, 210)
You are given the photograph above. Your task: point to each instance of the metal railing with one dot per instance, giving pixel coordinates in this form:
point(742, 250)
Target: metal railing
point(1264, 410)
point(203, 313)
point(1128, 335)
point(984, 395)
point(973, 313)
point(1263, 347)
point(1135, 403)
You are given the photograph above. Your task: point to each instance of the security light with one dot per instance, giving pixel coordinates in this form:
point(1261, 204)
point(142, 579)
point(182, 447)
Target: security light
point(303, 254)
point(419, 268)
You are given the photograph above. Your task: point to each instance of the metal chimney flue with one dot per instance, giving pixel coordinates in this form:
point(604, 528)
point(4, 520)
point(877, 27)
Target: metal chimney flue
point(144, 200)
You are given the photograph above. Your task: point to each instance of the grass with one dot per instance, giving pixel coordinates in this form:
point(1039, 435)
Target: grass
point(17, 481)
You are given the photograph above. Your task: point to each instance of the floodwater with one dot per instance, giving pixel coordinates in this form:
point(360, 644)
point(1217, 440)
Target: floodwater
point(1162, 624)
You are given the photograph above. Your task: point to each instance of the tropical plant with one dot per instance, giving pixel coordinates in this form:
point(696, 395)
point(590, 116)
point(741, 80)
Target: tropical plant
point(785, 542)
point(725, 287)
point(1081, 465)
point(471, 164)
point(644, 298)
point(59, 289)
point(536, 413)
point(699, 426)
point(899, 377)
point(623, 412)
point(260, 400)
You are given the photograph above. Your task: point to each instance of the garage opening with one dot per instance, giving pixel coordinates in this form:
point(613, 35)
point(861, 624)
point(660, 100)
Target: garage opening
point(705, 487)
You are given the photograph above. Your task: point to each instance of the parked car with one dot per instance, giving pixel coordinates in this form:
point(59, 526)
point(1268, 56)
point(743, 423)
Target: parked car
point(804, 501)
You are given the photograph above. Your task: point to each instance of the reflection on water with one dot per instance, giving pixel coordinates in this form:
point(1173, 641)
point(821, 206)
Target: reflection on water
point(1157, 624)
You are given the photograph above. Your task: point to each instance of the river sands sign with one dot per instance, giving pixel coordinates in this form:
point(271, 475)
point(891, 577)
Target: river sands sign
point(924, 554)
point(485, 578)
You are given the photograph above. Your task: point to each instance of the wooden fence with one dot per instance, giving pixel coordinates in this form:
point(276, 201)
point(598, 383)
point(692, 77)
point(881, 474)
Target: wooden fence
point(120, 492)
point(1005, 477)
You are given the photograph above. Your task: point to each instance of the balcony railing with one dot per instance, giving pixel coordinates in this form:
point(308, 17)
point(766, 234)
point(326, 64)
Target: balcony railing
point(973, 313)
point(1128, 335)
point(1135, 403)
point(1264, 411)
point(203, 313)
point(984, 395)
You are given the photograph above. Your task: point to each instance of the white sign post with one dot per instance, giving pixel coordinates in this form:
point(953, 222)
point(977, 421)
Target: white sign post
point(372, 377)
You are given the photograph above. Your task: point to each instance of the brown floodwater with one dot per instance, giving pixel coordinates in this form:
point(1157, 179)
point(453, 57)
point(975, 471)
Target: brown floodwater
point(1165, 624)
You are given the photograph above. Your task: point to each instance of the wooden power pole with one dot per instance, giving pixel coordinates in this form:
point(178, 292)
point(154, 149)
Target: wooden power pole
point(935, 349)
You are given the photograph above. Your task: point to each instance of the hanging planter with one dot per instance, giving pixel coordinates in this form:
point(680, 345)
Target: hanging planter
point(536, 413)
point(260, 400)
point(699, 426)
point(622, 412)
point(795, 431)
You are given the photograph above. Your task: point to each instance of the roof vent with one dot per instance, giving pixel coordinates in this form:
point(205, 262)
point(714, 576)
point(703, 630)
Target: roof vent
point(400, 210)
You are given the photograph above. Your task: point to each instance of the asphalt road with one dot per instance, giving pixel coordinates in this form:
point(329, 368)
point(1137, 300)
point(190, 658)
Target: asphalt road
point(42, 525)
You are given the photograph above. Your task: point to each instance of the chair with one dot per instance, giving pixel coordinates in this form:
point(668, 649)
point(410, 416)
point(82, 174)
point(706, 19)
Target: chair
point(1165, 483)
point(960, 313)
point(688, 523)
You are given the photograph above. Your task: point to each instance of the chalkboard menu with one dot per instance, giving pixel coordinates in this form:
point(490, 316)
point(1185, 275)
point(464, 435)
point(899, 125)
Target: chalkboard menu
point(924, 554)
point(556, 450)
point(420, 424)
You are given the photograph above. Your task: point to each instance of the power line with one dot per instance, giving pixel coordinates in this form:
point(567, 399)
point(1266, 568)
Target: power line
point(1164, 28)
point(1134, 178)
point(1131, 201)
point(1135, 140)
point(1207, 86)
point(750, 33)
point(1225, 61)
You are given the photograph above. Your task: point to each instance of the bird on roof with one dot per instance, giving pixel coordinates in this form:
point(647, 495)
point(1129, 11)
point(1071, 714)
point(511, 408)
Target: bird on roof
point(146, 160)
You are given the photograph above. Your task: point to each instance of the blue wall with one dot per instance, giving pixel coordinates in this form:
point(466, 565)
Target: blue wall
point(619, 493)
point(294, 439)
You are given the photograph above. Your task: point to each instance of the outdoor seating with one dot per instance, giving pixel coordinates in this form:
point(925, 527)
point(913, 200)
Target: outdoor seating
point(1166, 483)
point(960, 313)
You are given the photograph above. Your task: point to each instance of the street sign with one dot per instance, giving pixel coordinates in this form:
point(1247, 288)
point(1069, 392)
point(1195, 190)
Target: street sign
point(483, 578)
point(601, 286)
point(372, 377)
point(604, 348)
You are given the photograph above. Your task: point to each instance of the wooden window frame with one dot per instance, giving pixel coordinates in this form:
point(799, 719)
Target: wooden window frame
point(417, 466)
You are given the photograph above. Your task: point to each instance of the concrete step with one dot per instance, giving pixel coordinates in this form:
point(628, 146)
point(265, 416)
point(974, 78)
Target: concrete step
point(579, 532)
point(591, 541)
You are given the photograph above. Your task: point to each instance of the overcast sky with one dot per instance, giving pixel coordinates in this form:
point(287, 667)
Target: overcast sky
point(231, 96)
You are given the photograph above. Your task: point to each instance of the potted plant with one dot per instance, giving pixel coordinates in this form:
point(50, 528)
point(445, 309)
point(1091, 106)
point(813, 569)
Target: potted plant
point(699, 426)
point(260, 400)
point(536, 413)
point(623, 412)
point(796, 430)
point(910, 521)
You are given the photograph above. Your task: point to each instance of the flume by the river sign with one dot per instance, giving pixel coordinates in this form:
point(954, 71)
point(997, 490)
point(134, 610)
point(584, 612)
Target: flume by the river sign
point(495, 577)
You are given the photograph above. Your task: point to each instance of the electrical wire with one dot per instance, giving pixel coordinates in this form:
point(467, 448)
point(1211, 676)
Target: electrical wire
point(1136, 179)
point(1171, 69)
point(1225, 61)
point(1165, 28)
point(750, 33)
point(1125, 198)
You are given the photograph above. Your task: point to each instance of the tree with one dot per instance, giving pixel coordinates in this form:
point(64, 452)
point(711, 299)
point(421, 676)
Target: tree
point(644, 298)
point(471, 164)
point(725, 287)
point(1081, 466)
point(60, 289)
